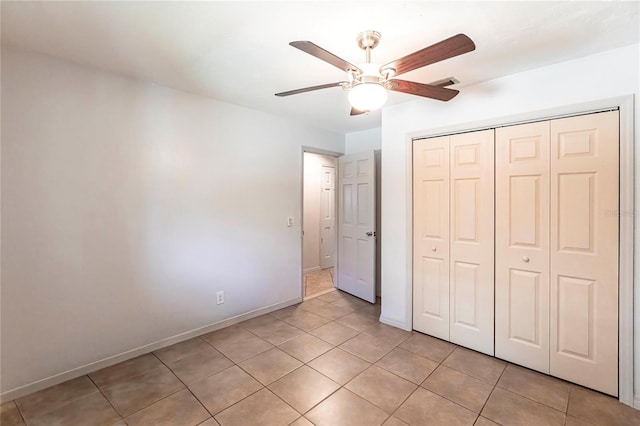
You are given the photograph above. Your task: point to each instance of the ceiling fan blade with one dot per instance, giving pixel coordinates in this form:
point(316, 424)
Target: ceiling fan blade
point(428, 91)
point(453, 46)
point(311, 88)
point(320, 53)
point(357, 111)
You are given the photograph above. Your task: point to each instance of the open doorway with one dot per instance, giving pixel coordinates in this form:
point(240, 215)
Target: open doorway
point(319, 224)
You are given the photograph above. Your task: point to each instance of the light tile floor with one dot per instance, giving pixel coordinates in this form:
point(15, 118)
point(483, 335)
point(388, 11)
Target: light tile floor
point(318, 282)
point(326, 361)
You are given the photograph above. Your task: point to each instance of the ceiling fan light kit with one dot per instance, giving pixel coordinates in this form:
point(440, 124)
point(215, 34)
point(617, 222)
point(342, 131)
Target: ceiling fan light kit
point(368, 83)
point(367, 96)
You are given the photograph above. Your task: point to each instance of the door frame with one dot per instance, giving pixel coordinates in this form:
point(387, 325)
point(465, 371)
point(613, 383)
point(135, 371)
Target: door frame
point(626, 284)
point(335, 154)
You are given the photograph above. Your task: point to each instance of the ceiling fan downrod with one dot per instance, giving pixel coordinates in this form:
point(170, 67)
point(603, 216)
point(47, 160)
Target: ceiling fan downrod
point(368, 40)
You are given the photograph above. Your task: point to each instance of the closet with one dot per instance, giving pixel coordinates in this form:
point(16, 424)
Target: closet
point(557, 248)
point(453, 238)
point(553, 251)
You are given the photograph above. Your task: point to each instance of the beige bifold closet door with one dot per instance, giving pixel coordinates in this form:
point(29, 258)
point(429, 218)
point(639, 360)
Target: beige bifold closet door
point(453, 265)
point(522, 244)
point(557, 248)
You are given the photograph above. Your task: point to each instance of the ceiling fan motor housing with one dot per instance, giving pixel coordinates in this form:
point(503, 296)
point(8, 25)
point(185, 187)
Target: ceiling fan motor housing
point(368, 39)
point(370, 74)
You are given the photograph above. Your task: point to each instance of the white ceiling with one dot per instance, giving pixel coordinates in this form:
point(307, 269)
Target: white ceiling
point(238, 52)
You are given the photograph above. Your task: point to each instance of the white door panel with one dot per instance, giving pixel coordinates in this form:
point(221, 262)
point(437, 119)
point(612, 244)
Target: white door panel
point(522, 245)
point(431, 236)
point(471, 237)
point(584, 250)
point(327, 217)
point(356, 240)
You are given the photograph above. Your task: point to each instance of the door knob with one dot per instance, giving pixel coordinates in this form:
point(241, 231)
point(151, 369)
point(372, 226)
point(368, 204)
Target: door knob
point(525, 259)
point(433, 249)
point(369, 234)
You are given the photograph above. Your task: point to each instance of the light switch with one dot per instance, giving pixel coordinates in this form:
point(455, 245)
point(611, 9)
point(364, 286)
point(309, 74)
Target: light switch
point(290, 221)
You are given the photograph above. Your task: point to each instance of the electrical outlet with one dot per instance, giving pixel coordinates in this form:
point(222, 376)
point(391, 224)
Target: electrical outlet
point(220, 298)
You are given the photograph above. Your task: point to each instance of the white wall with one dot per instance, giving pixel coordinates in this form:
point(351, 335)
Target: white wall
point(365, 140)
point(605, 75)
point(311, 208)
point(126, 206)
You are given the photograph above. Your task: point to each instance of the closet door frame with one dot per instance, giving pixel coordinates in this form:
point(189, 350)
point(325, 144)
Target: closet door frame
point(627, 297)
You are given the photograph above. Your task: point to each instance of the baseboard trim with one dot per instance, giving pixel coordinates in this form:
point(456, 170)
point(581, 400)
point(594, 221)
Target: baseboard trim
point(394, 323)
point(115, 359)
point(312, 269)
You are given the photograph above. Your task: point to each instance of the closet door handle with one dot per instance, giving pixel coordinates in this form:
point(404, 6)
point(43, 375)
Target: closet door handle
point(525, 259)
point(433, 249)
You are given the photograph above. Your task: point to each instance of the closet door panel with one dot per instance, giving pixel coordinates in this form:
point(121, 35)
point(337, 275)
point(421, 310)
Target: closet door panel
point(472, 240)
point(431, 236)
point(522, 245)
point(584, 250)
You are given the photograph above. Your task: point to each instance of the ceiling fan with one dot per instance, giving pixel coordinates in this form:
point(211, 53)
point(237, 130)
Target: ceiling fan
point(368, 83)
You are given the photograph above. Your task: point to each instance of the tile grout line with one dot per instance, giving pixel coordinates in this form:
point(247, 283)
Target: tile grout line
point(419, 386)
point(71, 401)
point(274, 346)
point(479, 414)
point(240, 367)
point(441, 363)
point(166, 396)
point(105, 397)
point(369, 367)
point(191, 392)
point(341, 386)
point(565, 411)
point(531, 400)
point(491, 393)
point(186, 387)
point(303, 364)
point(253, 393)
point(20, 413)
point(568, 403)
point(371, 402)
point(496, 385)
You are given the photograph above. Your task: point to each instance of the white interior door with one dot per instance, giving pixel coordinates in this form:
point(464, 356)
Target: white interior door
point(356, 226)
point(327, 216)
point(431, 236)
point(522, 245)
point(471, 240)
point(584, 250)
